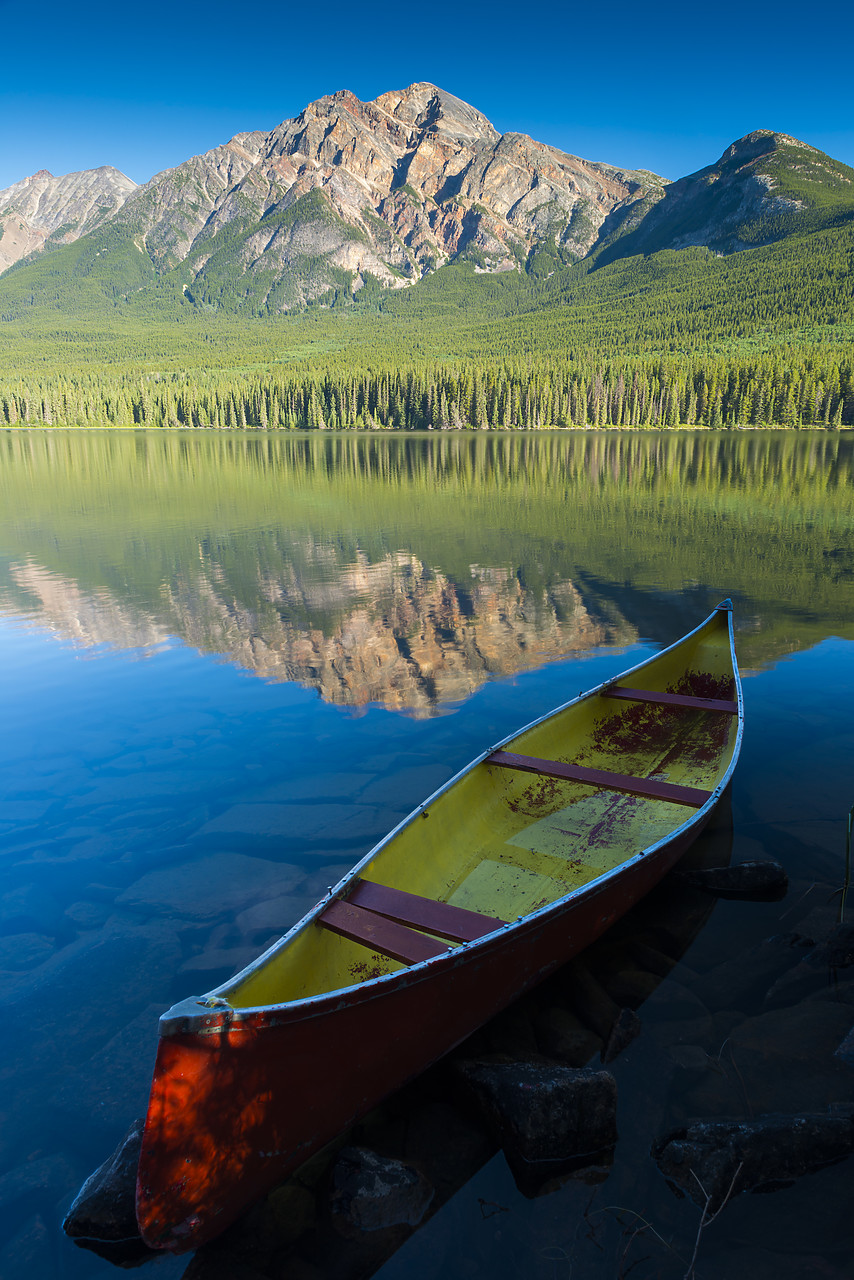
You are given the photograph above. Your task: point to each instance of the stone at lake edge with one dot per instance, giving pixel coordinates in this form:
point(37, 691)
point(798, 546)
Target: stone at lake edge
point(104, 1207)
point(545, 1113)
point(102, 1217)
point(376, 1193)
point(765, 880)
point(710, 1158)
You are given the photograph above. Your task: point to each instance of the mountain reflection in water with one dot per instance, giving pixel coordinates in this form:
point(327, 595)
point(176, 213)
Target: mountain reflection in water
point(405, 571)
point(407, 638)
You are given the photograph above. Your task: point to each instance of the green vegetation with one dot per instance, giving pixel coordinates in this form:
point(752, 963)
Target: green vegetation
point(805, 192)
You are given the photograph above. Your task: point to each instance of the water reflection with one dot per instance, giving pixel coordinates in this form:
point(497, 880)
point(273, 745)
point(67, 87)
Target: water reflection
point(407, 570)
point(404, 636)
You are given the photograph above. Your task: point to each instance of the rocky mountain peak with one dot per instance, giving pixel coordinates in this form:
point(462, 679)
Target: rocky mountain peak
point(761, 142)
point(43, 208)
point(425, 106)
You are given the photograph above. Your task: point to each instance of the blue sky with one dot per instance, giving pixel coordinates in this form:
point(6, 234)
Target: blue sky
point(660, 86)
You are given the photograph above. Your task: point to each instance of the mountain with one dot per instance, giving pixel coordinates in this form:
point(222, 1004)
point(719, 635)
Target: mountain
point(43, 209)
point(391, 189)
point(350, 192)
point(764, 187)
point(362, 202)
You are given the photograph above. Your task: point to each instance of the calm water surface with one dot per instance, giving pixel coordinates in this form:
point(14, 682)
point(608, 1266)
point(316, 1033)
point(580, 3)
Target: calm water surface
point(233, 662)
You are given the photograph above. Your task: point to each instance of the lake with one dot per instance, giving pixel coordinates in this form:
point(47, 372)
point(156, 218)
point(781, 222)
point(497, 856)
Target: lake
point(234, 660)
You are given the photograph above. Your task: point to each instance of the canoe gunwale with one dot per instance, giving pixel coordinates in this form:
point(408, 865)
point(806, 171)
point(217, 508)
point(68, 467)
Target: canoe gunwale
point(194, 1016)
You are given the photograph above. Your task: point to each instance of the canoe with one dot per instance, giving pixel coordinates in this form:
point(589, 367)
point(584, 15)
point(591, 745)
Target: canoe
point(506, 872)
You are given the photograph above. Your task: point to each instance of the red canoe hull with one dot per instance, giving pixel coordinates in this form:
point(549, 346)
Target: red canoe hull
point(240, 1102)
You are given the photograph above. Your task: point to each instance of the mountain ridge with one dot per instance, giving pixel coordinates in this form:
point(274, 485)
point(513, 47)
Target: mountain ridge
point(745, 198)
point(349, 199)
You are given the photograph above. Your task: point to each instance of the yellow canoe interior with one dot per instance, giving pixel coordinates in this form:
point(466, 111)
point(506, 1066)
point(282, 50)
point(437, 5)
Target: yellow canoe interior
point(503, 842)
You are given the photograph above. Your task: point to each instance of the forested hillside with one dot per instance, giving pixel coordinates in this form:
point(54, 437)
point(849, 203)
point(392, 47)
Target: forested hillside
point(762, 337)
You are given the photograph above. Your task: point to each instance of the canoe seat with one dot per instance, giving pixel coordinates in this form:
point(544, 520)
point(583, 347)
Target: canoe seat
point(650, 788)
point(671, 699)
point(379, 918)
point(456, 923)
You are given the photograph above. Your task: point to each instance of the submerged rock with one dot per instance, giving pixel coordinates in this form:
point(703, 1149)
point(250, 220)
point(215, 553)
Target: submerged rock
point(221, 1264)
point(817, 970)
point(547, 1119)
point(846, 1049)
point(25, 951)
point(716, 1159)
point(115, 1081)
point(594, 1006)
point(102, 1217)
point(33, 1179)
point(371, 1192)
point(29, 1253)
point(780, 1061)
point(204, 889)
point(30, 909)
point(563, 1035)
point(764, 881)
point(742, 981)
point(623, 1032)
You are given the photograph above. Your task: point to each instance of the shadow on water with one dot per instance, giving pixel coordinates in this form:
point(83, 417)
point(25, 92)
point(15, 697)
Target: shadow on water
point(659, 1058)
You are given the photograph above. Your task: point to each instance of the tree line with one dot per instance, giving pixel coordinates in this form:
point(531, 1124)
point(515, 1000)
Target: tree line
point(811, 391)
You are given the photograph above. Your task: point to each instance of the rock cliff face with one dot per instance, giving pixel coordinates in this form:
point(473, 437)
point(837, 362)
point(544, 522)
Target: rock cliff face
point(43, 207)
point(172, 208)
point(439, 177)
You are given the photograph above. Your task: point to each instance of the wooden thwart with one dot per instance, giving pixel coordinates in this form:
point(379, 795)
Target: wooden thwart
point(672, 699)
point(447, 921)
point(647, 787)
point(379, 934)
point(378, 917)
